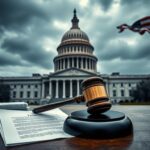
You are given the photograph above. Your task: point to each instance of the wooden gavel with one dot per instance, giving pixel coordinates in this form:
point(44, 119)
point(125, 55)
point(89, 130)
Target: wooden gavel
point(94, 94)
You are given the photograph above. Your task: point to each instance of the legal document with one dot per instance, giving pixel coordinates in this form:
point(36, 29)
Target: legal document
point(20, 127)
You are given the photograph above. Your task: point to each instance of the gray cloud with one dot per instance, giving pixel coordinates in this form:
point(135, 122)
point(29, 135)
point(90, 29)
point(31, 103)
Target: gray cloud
point(30, 52)
point(6, 60)
point(25, 24)
point(16, 14)
point(106, 4)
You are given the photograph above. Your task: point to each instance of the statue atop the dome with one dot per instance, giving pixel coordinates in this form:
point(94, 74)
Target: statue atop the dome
point(74, 21)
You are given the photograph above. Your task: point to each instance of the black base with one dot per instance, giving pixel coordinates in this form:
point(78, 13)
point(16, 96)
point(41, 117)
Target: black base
point(110, 124)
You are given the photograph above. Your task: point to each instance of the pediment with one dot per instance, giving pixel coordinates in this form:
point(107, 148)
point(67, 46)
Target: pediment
point(73, 72)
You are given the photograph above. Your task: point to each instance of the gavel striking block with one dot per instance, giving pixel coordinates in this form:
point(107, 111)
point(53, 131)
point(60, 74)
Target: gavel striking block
point(95, 95)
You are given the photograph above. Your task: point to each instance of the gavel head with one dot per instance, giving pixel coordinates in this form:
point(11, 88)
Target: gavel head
point(95, 95)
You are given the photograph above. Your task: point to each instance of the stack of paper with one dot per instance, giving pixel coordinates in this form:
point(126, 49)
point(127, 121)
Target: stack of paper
point(14, 106)
point(20, 127)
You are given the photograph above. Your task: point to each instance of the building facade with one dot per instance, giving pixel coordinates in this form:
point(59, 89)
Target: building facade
point(74, 63)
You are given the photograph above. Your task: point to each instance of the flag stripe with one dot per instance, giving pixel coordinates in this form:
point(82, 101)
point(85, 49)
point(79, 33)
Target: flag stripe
point(145, 18)
point(146, 25)
point(145, 21)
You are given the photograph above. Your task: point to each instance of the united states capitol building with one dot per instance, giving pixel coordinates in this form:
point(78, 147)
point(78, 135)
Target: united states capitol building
point(74, 63)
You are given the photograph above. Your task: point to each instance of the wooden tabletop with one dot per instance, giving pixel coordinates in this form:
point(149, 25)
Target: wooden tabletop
point(140, 140)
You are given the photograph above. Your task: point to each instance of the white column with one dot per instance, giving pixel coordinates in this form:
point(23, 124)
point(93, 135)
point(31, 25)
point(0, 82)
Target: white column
point(70, 88)
point(64, 89)
point(126, 91)
point(72, 61)
point(77, 62)
point(50, 88)
point(43, 90)
point(81, 63)
point(86, 63)
point(78, 88)
point(63, 63)
point(56, 89)
point(90, 64)
point(68, 63)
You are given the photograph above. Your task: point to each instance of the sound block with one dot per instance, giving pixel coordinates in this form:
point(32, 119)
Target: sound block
point(110, 124)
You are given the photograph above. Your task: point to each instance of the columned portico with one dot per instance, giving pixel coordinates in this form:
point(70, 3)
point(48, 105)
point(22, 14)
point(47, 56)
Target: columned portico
point(63, 88)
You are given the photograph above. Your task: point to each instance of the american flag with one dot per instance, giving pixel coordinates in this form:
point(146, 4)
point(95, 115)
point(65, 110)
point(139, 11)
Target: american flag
point(141, 26)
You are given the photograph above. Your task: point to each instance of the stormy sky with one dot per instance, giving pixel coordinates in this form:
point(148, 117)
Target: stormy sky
point(31, 30)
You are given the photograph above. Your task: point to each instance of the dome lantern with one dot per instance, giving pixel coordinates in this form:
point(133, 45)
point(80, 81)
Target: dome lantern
point(75, 21)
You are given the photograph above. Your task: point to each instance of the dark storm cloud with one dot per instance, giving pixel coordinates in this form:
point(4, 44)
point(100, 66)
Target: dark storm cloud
point(28, 51)
point(106, 4)
point(6, 59)
point(31, 21)
point(25, 24)
point(120, 49)
point(17, 13)
point(133, 2)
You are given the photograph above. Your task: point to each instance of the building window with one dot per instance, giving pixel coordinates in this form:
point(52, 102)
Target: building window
point(14, 86)
point(35, 94)
point(21, 94)
point(121, 84)
point(114, 93)
point(114, 84)
point(130, 92)
point(122, 92)
point(129, 84)
point(21, 86)
point(28, 86)
point(14, 94)
point(36, 86)
point(28, 94)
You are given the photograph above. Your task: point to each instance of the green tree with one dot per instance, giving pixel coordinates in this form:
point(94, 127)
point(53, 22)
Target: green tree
point(142, 91)
point(4, 93)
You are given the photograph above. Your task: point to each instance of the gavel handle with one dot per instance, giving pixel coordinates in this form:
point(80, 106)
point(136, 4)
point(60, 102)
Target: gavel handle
point(40, 109)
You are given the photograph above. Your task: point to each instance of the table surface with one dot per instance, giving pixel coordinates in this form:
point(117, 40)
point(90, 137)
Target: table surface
point(140, 140)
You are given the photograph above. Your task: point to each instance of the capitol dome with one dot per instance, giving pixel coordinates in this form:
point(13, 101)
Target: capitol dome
point(75, 50)
point(75, 34)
